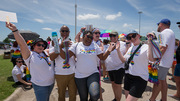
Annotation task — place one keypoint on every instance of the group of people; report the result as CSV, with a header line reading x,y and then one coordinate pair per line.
x,y
77,65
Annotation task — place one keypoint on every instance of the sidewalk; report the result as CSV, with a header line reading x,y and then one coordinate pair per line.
x,y
28,95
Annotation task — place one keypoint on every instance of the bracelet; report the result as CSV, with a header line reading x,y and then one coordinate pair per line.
x,y
15,30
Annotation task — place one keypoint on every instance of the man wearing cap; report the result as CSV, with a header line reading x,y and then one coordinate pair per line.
x,y
166,45
64,73
114,65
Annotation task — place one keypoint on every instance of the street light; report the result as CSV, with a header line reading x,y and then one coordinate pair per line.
x,y
75,16
140,12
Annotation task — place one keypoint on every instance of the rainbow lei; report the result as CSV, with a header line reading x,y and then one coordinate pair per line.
x,y
28,76
153,69
45,58
66,62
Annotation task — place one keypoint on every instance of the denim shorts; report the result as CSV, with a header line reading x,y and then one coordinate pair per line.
x,y
42,92
177,70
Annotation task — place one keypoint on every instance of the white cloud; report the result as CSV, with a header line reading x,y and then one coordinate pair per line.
x,y
35,1
113,17
49,29
127,25
88,16
39,20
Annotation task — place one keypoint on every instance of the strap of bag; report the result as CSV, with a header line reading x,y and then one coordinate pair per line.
x,y
131,57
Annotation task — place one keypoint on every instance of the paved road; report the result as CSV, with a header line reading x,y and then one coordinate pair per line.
x,y
28,95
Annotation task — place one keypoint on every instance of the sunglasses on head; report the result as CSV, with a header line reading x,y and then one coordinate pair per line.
x,y
97,33
64,31
112,35
19,61
132,36
40,45
91,37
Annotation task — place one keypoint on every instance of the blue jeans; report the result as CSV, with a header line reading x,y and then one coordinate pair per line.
x,y
42,92
89,85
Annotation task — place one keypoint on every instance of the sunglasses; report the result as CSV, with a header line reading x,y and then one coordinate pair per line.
x,y
112,35
64,31
97,33
19,61
40,45
91,37
132,36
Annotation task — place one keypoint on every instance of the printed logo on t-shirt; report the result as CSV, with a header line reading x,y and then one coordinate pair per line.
x,y
160,39
87,51
137,53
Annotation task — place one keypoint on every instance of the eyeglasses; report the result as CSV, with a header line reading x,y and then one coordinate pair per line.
x,y
64,31
112,35
91,37
19,61
40,45
97,33
132,36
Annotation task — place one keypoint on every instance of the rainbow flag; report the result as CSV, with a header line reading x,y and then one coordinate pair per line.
x,y
16,54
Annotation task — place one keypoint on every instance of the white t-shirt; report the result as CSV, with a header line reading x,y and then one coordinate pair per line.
x,y
105,48
59,70
113,62
167,37
98,43
139,64
41,73
16,70
86,59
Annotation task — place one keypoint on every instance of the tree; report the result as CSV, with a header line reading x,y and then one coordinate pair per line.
x,y
6,40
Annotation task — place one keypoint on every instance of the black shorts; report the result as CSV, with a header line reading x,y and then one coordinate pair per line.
x,y
117,75
135,85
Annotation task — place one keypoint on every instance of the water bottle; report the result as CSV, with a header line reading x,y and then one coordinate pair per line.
x,y
56,43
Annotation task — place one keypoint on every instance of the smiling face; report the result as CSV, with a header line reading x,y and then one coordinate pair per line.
x,y
96,35
64,31
134,38
113,38
87,39
39,47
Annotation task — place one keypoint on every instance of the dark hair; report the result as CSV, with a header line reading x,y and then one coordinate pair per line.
x,y
39,40
105,41
86,32
15,44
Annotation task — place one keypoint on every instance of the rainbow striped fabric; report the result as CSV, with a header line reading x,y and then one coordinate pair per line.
x,y
16,54
153,74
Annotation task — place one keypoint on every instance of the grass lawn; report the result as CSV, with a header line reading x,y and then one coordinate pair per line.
x,y
7,86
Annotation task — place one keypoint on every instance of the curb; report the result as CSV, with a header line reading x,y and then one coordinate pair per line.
x,y
14,95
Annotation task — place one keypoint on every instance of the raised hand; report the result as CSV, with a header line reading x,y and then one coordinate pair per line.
x,y
11,26
111,46
117,45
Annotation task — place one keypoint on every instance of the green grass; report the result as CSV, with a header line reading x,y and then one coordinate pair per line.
x,y
7,85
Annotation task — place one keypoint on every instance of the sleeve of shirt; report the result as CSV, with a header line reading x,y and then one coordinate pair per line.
x,y
98,49
27,61
73,47
51,50
162,39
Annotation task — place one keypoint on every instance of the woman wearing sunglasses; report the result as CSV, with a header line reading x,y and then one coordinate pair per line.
x,y
136,76
114,65
86,72
42,74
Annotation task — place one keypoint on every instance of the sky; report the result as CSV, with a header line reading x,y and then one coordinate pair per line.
x,y
47,16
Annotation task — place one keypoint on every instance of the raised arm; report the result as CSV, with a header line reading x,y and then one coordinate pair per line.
x,y
20,40
110,48
150,52
121,57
